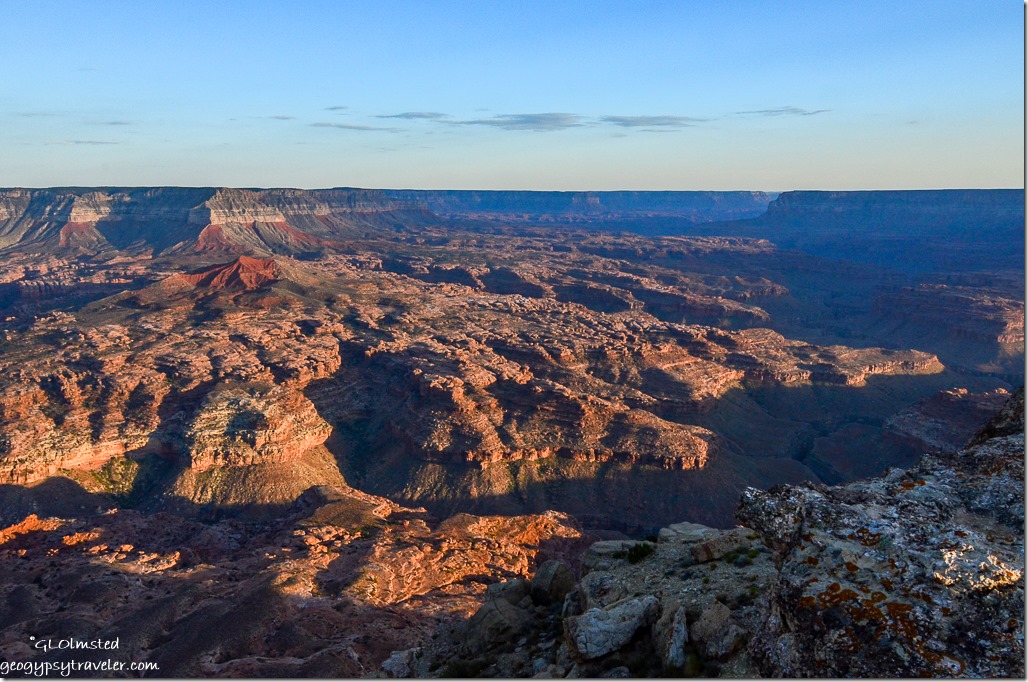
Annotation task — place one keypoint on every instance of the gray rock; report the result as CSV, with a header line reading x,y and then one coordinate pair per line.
x,y
598,632
600,589
671,634
552,582
685,532
572,605
512,591
497,621
399,663
602,556
721,544
716,634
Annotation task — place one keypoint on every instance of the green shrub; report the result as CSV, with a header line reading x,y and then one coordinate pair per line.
x,y
637,553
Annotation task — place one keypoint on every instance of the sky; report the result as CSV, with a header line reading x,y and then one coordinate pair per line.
x,y
644,95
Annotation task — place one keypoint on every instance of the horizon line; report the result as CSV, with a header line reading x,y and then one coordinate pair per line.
x,y
479,189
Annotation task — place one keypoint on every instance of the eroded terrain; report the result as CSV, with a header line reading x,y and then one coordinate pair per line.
x,y
275,399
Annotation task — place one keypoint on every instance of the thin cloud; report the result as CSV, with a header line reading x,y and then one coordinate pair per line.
x,y
783,111
89,142
336,108
415,115
546,122
348,126
282,118
652,121
115,123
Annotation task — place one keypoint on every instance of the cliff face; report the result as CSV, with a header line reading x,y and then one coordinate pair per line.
x,y
584,207
290,221
910,231
183,220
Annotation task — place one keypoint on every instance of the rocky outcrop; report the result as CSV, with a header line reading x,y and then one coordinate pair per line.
x,y
639,609
246,425
885,578
487,388
918,573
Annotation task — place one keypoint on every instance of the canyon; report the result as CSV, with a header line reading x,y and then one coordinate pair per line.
x,y
357,409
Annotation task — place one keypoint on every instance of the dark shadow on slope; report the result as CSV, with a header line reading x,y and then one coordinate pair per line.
x,y
55,496
775,434
198,601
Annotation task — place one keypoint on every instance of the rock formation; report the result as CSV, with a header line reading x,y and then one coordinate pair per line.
x,y
455,368
918,573
327,589
191,380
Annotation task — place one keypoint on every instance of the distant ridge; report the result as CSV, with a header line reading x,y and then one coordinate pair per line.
x,y
874,226
537,206
911,231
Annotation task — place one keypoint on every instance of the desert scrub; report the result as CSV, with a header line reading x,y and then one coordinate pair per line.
x,y
117,475
637,553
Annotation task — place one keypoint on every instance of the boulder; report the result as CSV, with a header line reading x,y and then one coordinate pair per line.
x,y
600,589
685,532
721,544
400,662
598,632
602,556
497,621
552,583
512,591
715,634
671,634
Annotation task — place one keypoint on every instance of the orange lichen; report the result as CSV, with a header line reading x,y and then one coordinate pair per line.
x,y
866,537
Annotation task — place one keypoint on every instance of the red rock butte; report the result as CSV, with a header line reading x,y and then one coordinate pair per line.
x,y
244,272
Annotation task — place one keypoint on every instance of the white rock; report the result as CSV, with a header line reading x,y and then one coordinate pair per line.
x,y
598,632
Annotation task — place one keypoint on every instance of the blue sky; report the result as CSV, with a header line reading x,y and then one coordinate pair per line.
x,y
514,95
